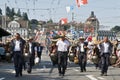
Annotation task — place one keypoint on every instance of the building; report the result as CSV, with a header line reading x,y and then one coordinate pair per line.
x,y
17,27
101,34
91,24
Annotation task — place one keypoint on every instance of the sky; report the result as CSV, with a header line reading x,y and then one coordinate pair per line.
x,y
107,11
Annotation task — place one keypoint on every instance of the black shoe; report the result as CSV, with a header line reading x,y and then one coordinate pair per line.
x,y
60,74
20,74
101,74
105,74
84,70
29,71
16,75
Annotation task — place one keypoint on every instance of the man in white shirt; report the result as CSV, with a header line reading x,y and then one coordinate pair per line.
x,y
17,49
62,48
82,55
30,48
106,49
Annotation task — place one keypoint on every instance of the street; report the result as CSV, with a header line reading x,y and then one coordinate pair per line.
x,y
45,71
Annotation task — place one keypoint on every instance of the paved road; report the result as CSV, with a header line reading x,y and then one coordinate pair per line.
x,y
43,71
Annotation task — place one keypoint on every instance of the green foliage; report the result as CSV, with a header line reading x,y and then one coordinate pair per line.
x,y
8,11
11,12
18,13
0,11
50,21
25,16
116,29
34,21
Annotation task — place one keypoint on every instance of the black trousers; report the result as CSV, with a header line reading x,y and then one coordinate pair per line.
x,y
30,62
62,61
105,60
18,62
39,54
82,61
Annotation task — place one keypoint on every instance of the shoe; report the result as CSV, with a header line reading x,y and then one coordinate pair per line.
x,y
105,74
29,71
60,74
84,70
20,74
101,74
16,75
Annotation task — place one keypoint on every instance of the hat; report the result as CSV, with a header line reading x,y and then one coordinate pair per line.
x,y
31,38
81,38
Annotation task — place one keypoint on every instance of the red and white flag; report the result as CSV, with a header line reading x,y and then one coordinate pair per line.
x,y
81,2
84,2
64,21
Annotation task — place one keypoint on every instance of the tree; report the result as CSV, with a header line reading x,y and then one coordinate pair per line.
x,y
12,14
25,16
18,13
0,11
8,11
50,21
116,29
34,21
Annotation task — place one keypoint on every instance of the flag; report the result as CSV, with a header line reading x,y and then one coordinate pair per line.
x,y
69,8
81,2
78,3
84,2
64,21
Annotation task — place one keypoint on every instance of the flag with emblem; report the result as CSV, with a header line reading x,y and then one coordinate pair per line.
x,y
81,2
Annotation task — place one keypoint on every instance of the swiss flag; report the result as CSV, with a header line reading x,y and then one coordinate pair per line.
x,y
81,2
64,21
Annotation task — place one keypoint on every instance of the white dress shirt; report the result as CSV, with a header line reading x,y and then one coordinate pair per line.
x,y
17,45
30,45
81,48
62,45
106,47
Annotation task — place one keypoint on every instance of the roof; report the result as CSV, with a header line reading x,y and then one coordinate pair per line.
x,y
4,32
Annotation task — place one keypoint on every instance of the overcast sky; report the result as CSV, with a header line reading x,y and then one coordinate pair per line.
x,y
107,11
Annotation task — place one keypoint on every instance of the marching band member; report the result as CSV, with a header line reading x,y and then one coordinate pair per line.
x,y
106,50
17,49
62,48
82,55
30,48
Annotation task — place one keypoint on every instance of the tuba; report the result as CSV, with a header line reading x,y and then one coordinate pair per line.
x,y
113,59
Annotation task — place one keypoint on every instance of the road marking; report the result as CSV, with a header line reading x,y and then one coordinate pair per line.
x,y
91,77
100,78
2,78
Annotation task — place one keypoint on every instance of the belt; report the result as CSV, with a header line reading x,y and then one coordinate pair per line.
x,y
17,51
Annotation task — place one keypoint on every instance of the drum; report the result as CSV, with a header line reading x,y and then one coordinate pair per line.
x,y
8,57
113,59
71,57
94,59
26,57
53,57
76,61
